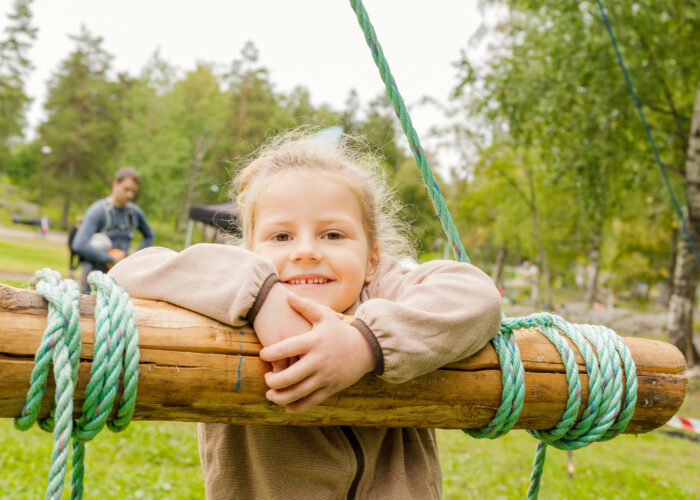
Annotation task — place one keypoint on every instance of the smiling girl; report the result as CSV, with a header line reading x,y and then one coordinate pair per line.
x,y
319,241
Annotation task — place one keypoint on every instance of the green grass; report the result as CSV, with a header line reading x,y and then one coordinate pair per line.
x,y
154,460
159,460
652,465
20,255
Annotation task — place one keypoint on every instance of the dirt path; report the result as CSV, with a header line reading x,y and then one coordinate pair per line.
x,y
11,232
625,322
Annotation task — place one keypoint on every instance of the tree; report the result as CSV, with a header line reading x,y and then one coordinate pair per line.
x,y
680,322
14,69
554,88
195,113
82,129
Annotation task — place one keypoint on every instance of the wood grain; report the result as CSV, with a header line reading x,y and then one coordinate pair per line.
x,y
194,368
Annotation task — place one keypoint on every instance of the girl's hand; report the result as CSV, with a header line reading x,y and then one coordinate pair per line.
x,y
277,321
332,356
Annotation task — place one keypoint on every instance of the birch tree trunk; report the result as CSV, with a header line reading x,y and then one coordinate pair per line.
x,y
592,285
667,286
200,147
542,262
680,320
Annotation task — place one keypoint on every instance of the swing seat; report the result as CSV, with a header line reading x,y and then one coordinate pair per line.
x,y
194,368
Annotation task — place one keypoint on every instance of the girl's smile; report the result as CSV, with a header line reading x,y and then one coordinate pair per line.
x,y
308,280
310,224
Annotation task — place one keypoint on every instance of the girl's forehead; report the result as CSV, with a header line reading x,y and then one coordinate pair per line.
x,y
303,174
307,192
307,179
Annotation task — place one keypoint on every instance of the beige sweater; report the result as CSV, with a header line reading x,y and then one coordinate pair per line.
x,y
415,321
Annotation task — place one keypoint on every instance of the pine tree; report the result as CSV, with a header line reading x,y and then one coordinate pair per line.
x,y
82,130
14,70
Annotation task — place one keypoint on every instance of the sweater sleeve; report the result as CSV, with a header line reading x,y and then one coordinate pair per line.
x,y
93,222
427,317
220,281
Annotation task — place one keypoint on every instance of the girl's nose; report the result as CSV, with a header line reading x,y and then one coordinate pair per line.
x,y
306,248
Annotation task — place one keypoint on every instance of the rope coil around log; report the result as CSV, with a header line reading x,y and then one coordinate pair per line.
x,y
116,337
602,418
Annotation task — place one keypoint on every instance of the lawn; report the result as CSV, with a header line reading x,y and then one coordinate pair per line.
x,y
25,255
158,460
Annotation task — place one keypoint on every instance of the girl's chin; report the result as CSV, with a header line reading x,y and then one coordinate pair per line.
x,y
314,295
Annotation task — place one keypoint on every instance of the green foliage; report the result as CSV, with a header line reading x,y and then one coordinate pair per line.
x,y
82,131
22,163
418,210
14,69
555,106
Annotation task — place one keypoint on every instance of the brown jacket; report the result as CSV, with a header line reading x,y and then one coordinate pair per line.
x,y
415,320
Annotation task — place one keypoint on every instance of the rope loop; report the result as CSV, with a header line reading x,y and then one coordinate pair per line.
x,y
116,337
610,404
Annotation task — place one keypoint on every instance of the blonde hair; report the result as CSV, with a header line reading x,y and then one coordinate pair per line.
x,y
359,170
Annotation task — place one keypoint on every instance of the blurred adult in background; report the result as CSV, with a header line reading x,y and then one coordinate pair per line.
x,y
104,236
75,259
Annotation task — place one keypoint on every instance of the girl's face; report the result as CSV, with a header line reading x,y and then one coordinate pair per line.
x,y
310,225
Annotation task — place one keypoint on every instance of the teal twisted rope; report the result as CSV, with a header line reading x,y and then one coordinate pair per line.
x,y
115,336
604,416
400,108
60,344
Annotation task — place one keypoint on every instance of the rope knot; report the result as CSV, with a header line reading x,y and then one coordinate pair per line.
x,y
115,336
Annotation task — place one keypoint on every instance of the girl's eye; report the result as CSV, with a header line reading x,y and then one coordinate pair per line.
x,y
280,237
334,235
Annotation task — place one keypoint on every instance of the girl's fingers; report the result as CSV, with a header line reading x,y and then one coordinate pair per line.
x,y
287,348
280,364
287,378
308,402
310,311
294,393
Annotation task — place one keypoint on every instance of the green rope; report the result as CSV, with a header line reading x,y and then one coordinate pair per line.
x,y
115,337
603,351
421,160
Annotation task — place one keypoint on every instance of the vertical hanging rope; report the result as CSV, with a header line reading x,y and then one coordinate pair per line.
x,y
392,90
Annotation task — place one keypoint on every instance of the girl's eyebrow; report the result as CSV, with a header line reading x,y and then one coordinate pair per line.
x,y
284,219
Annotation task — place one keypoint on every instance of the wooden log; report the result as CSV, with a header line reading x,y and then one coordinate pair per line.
x,y
194,368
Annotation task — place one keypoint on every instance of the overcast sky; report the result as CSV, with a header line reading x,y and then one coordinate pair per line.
x,y
314,43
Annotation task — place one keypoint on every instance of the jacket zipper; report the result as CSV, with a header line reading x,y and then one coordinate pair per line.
x,y
359,456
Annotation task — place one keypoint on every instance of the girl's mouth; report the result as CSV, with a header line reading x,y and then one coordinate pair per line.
x,y
308,280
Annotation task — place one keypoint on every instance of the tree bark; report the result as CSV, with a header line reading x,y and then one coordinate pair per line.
x,y
667,287
194,368
594,256
200,148
680,320
68,197
497,276
542,261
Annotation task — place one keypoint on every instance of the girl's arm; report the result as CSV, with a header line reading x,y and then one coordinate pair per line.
x,y
220,281
424,318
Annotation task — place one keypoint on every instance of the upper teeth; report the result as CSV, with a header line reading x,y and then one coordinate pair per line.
x,y
308,281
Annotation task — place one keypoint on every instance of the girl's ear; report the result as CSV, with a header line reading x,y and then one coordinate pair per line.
x,y
372,264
